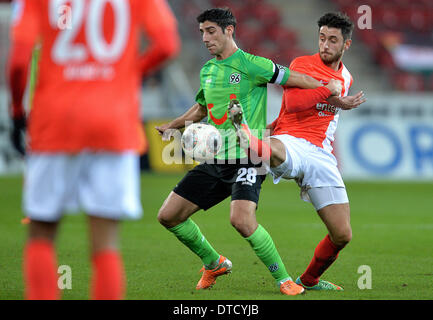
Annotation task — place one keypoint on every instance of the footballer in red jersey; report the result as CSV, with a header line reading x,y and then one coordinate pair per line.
x,y
300,145
84,126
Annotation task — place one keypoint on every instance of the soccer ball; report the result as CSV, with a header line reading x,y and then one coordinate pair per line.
x,y
201,141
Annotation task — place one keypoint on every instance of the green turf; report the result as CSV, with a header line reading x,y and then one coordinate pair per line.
x,y
392,233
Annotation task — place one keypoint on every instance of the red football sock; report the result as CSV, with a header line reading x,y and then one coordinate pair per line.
x,y
40,271
325,254
108,276
257,146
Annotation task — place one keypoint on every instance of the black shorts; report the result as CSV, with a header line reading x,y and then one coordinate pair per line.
x,y
208,184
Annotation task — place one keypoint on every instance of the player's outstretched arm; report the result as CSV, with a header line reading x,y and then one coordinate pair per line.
x,y
301,80
297,100
348,102
194,114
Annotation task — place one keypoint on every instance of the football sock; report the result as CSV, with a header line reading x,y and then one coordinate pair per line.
x,y
257,146
190,235
325,254
40,270
108,279
265,249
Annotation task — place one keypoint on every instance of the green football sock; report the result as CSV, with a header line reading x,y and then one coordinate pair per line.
x,y
265,249
190,235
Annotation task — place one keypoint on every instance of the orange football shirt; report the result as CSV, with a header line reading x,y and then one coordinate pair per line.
x,y
87,91
318,123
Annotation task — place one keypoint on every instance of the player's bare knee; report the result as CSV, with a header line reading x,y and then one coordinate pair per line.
x,y
170,217
165,218
245,227
243,217
342,238
237,223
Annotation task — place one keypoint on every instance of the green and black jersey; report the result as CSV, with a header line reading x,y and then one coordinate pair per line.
x,y
244,77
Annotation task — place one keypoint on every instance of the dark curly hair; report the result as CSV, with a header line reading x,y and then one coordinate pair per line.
x,y
337,20
223,17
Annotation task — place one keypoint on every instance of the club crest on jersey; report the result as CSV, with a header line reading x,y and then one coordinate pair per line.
x,y
235,78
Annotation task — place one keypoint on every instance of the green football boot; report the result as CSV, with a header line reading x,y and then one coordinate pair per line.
x,y
322,285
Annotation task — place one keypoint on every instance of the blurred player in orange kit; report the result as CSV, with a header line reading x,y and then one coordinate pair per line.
x,y
301,145
84,125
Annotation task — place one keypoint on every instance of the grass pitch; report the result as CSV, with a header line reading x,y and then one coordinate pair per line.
x,y
392,235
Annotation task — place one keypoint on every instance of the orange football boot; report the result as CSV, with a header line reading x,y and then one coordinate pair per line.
x,y
290,288
208,278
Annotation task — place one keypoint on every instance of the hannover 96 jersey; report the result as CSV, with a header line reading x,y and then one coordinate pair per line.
x,y
244,77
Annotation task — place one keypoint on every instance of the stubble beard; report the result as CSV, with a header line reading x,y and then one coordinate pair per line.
x,y
336,57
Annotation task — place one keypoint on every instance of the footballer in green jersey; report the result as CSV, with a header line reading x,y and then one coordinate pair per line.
x,y
231,74
244,77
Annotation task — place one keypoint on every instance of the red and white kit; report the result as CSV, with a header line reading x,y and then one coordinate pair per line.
x,y
84,123
306,125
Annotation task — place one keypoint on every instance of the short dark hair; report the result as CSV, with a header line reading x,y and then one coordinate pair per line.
x,y
223,17
337,20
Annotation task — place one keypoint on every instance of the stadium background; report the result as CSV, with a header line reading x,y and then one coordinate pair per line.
x,y
385,149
